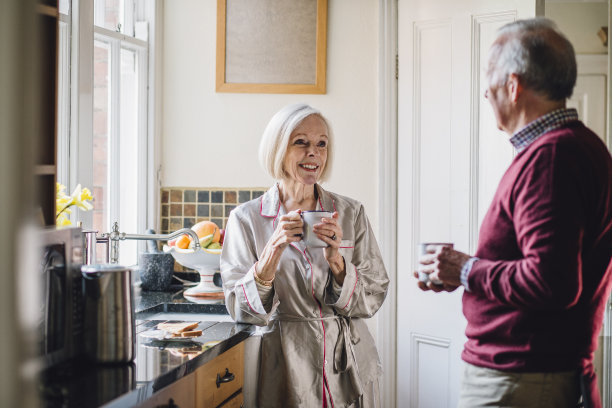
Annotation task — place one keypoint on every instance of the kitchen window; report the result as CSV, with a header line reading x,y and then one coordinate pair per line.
x,y
107,146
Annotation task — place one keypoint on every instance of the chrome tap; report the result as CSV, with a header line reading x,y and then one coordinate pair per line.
x,y
90,240
115,236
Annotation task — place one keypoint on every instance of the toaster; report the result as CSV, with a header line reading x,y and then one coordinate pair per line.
x,y
61,318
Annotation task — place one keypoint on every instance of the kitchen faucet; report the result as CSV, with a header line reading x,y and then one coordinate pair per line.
x,y
112,239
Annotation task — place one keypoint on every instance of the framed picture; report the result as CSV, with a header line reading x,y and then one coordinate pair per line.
x,y
271,46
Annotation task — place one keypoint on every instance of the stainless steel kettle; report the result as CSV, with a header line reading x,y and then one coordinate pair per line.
x,y
109,313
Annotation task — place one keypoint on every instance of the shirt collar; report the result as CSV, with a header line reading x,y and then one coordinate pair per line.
x,y
545,123
271,205
270,202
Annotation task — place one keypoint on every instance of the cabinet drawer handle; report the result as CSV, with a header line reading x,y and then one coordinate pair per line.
x,y
227,377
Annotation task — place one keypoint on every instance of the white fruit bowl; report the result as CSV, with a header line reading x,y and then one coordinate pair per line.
x,y
206,262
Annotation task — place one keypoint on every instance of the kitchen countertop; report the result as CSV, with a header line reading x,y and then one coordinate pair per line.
x,y
157,363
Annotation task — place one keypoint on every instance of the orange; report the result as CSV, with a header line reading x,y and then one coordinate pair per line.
x,y
205,228
183,241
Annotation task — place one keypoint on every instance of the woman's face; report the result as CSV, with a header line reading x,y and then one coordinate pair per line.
x,y
307,151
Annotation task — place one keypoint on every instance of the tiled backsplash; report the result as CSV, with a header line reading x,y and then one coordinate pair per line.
x,y
182,207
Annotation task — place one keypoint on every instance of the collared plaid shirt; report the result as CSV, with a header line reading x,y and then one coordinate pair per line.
x,y
551,121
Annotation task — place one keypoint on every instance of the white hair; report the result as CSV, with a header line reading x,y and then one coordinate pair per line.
x,y
275,139
538,53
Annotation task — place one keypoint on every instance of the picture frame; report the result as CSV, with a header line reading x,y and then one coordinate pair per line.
x,y
271,46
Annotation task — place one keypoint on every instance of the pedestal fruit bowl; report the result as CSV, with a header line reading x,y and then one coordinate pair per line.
x,y
206,262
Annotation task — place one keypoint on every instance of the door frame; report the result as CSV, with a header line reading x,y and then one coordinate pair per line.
x,y
387,208
607,331
387,194
598,64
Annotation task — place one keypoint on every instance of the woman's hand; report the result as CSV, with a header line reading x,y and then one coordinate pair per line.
x,y
288,230
329,231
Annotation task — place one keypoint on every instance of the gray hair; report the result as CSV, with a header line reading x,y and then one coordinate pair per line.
x,y
538,53
275,139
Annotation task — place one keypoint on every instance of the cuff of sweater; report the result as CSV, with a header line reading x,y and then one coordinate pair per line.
x,y
465,272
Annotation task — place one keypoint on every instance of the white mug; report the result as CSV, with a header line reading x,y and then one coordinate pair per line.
x,y
424,277
311,218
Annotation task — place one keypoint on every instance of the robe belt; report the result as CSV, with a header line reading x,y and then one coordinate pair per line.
x,y
344,354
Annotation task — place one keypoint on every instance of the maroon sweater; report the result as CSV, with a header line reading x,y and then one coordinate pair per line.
x,y
537,294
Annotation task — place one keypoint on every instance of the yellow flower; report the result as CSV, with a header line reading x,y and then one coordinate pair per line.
x,y
62,220
79,197
86,194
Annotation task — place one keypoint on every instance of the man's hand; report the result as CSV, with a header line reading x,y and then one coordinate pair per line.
x,y
442,265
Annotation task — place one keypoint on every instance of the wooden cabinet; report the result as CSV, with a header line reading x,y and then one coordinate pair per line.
x,y
45,154
236,401
221,378
177,395
217,383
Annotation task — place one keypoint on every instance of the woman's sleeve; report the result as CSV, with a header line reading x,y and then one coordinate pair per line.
x,y
365,285
243,297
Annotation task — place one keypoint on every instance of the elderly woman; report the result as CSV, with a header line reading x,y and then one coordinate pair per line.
x,y
316,351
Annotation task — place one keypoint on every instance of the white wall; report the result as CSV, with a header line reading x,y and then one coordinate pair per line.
x,y
580,22
211,139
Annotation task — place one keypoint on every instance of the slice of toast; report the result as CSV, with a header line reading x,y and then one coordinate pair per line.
x,y
191,333
178,327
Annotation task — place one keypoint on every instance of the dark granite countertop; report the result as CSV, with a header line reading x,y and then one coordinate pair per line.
x,y
157,363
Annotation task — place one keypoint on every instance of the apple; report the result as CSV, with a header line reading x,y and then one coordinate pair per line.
x,y
222,231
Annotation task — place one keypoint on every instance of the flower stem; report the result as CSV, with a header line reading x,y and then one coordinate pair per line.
x,y
63,209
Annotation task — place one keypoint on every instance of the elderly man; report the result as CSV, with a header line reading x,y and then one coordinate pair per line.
x,y
536,289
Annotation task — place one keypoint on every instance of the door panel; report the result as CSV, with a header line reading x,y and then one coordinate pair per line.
x,y
450,158
494,152
589,97
432,366
433,128
589,93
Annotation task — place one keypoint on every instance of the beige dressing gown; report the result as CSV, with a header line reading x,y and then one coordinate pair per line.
x,y
315,344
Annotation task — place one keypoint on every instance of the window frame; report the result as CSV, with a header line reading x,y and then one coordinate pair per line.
x,y
75,152
63,96
118,41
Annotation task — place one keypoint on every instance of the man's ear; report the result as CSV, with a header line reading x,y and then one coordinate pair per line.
x,y
514,87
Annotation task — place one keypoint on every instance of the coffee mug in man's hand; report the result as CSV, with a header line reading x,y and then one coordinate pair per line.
x,y
311,218
435,246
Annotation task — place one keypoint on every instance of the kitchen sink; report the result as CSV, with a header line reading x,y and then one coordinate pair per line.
x,y
195,317
186,312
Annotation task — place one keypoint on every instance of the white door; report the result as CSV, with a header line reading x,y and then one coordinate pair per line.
x,y
589,97
450,159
